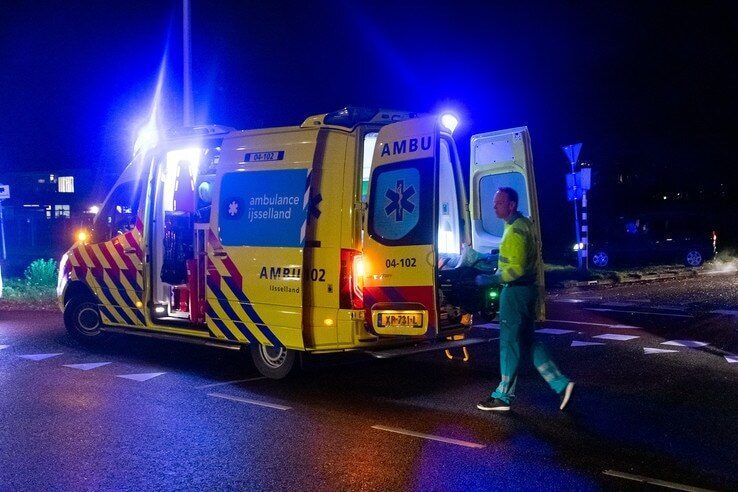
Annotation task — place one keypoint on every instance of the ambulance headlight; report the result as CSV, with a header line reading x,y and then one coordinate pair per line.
x,y
578,246
449,121
82,235
62,275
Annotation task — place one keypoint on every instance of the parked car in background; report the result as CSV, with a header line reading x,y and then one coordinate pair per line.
x,y
651,238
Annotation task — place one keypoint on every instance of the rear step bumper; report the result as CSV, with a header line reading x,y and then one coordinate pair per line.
x,y
427,347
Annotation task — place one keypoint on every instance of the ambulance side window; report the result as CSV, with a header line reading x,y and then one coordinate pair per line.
x,y
118,215
401,203
488,186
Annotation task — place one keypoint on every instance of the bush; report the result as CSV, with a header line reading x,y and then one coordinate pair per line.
x,y
41,273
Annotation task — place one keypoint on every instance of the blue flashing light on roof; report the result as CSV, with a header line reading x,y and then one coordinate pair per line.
x,y
148,137
449,121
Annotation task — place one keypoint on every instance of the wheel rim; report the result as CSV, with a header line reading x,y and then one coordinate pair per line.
x,y
600,258
694,258
88,320
273,357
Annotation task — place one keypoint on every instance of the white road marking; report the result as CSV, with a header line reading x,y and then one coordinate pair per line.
x,y
430,437
490,326
38,357
88,366
577,343
592,324
685,343
653,481
572,301
616,336
225,383
732,359
553,331
640,312
251,402
4,346
728,312
669,307
649,350
140,377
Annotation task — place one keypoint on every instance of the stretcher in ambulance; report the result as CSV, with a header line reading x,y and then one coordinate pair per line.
x,y
339,234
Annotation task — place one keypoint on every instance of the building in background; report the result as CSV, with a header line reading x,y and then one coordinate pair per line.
x,y
44,211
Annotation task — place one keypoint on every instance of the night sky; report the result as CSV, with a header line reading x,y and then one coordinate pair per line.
x,y
650,90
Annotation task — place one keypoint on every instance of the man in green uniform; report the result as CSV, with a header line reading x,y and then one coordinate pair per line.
x,y
517,271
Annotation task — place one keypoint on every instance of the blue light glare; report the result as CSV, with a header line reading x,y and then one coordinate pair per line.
x,y
449,121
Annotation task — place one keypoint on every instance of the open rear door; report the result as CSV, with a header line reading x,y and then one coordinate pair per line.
x,y
400,254
501,158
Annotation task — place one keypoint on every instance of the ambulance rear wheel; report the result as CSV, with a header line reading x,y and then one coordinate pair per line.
x,y
274,362
83,322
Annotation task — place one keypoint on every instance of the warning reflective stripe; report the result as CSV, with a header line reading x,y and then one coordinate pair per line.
x,y
132,276
229,314
217,315
213,327
224,280
111,278
251,312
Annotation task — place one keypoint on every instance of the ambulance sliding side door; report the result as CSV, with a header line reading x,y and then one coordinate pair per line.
x,y
255,261
400,254
501,158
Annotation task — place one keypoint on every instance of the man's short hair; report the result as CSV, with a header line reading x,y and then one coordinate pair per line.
x,y
512,195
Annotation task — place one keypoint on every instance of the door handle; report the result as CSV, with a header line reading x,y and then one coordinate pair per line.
x,y
220,253
129,251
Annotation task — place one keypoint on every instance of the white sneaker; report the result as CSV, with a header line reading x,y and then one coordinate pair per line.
x,y
566,395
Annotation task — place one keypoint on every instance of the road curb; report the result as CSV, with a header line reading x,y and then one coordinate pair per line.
x,y
632,278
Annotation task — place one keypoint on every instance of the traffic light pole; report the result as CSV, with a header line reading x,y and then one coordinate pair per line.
x,y
584,250
577,229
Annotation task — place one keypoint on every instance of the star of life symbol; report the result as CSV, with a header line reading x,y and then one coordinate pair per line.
x,y
399,200
233,208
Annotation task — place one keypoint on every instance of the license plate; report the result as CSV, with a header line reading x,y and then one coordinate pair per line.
x,y
404,319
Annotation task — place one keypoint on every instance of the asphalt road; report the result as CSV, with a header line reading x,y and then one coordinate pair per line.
x,y
203,418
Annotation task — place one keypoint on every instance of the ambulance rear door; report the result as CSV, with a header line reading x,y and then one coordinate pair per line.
x,y
500,159
400,254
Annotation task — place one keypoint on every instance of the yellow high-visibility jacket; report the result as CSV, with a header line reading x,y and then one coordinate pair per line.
x,y
518,262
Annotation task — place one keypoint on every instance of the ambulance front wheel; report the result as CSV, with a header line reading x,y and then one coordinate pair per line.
x,y
274,362
83,323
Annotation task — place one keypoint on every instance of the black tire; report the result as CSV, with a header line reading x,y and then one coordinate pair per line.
x,y
274,363
82,319
693,258
600,258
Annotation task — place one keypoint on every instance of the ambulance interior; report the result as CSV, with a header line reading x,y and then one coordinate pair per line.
x,y
181,214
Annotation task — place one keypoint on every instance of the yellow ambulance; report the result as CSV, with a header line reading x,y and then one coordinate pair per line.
x,y
338,234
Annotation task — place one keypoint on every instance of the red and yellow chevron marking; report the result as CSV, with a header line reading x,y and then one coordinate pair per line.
x,y
114,271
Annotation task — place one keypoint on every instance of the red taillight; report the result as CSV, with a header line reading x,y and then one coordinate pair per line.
x,y
352,280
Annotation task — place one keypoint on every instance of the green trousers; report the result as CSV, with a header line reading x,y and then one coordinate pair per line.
x,y
517,330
